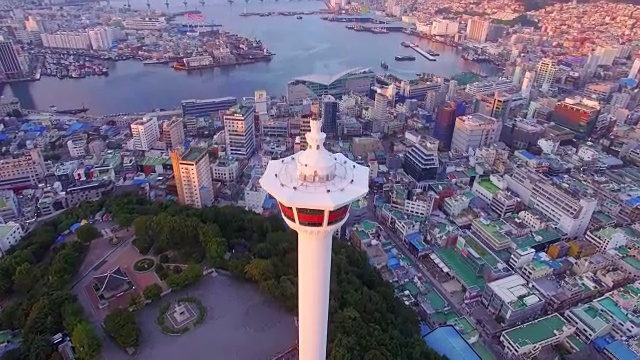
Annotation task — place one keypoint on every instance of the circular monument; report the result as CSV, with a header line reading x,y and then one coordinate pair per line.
x,y
180,316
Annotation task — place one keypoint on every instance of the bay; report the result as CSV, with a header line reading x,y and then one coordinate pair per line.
x,y
306,46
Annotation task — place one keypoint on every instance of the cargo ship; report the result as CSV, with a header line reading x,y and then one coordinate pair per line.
x,y
405,58
69,111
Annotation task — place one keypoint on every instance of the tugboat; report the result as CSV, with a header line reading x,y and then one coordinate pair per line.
x,y
384,65
405,58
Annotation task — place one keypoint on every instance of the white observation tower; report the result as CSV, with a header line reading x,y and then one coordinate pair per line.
x,y
314,189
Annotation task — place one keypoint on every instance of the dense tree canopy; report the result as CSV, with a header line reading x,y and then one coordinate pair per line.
x,y
87,233
34,277
366,320
121,325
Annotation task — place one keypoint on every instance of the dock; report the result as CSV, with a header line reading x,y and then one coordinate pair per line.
x,y
423,53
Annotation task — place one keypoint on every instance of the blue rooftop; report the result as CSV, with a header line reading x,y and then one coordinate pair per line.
x,y
527,155
634,201
77,127
621,351
628,82
447,341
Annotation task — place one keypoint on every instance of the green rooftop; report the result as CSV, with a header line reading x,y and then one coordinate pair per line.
x,y
536,331
6,229
541,236
412,288
485,354
465,273
193,154
368,225
3,203
612,307
495,231
482,252
489,186
462,324
155,160
435,300
633,262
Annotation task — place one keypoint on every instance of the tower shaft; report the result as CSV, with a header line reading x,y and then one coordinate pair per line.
x,y
314,275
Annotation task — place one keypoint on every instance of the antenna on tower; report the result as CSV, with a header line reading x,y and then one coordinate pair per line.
x,y
148,5
128,5
185,3
166,3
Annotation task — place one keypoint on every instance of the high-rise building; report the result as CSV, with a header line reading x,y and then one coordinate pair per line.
x,y
380,107
517,76
496,32
145,132
474,131
578,115
66,40
173,133
207,107
478,29
101,38
606,55
314,189
329,115
527,83
192,173
10,61
635,67
445,123
546,73
421,161
489,86
442,27
239,130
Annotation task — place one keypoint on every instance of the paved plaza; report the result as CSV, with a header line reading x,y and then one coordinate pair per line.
x,y
241,324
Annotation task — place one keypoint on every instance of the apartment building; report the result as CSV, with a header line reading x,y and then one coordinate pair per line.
x,y
192,172
608,238
77,148
494,191
226,169
254,195
173,133
475,131
21,171
239,130
145,133
512,299
564,203
9,206
590,321
10,235
87,191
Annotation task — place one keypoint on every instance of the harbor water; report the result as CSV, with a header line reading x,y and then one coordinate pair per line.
x,y
306,46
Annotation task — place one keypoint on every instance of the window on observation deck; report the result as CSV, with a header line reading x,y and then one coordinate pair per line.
x,y
287,212
310,217
337,215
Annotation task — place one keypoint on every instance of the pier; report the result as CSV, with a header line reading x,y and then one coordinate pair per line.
x,y
424,54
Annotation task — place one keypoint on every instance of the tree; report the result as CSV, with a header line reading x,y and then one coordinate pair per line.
x,y
85,341
152,292
25,278
121,325
216,248
259,270
87,233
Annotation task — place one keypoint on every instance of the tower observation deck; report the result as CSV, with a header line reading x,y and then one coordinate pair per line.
x,y
314,190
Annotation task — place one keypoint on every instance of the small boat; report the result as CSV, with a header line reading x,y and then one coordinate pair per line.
x,y
384,65
405,58
299,17
406,44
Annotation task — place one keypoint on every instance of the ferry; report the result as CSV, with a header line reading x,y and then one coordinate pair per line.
x,y
155,61
384,65
405,58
